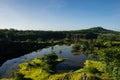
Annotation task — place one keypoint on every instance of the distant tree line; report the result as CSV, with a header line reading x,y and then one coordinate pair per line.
x,y
15,35
32,35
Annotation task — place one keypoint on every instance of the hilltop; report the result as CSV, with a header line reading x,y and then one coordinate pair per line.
x,y
96,30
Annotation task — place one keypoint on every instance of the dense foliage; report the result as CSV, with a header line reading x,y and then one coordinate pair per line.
x,y
96,42
111,57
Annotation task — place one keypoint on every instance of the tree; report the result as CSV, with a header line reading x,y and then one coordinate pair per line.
x,y
50,58
91,35
111,57
75,47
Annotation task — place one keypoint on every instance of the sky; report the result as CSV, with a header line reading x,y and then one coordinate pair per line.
x,y
59,14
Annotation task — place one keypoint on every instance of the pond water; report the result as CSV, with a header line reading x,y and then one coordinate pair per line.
x,y
73,62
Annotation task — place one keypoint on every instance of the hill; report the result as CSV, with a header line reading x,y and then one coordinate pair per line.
x,y
99,30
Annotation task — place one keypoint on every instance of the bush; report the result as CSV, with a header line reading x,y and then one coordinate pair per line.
x,y
95,64
93,70
111,57
75,47
50,58
19,76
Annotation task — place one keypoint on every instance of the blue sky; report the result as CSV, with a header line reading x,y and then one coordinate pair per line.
x,y
59,14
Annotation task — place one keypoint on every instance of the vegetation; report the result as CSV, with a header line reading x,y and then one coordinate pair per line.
x,y
96,42
39,36
110,57
75,47
39,68
36,71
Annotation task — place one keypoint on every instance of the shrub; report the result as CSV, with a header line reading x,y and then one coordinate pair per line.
x,y
75,47
93,70
50,58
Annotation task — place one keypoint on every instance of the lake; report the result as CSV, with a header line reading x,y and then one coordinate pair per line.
x,y
73,62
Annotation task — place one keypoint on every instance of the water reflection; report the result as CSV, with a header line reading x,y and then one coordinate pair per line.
x,y
73,62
